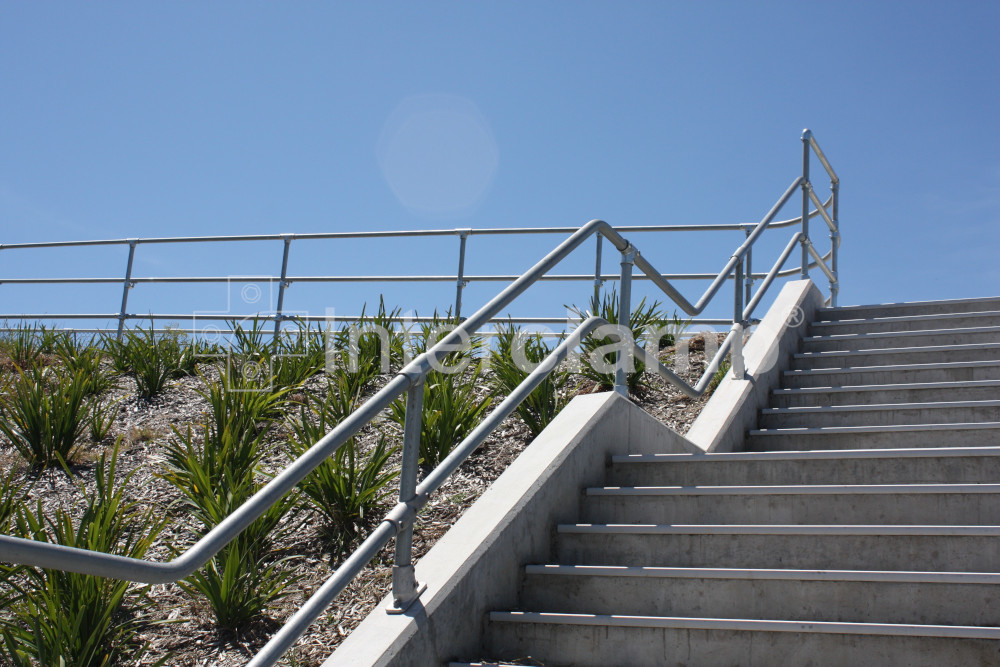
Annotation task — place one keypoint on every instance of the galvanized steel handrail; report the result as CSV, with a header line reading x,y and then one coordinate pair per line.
x,y
399,521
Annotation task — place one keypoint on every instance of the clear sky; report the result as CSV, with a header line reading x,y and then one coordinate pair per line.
x,y
191,118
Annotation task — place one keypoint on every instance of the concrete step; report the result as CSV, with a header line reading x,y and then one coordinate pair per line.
x,y
917,392
855,466
904,504
960,371
493,664
977,434
898,355
823,547
881,415
990,318
914,338
585,640
909,308
924,598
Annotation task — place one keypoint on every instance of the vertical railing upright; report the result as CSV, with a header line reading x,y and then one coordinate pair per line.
x,y
624,316
463,235
806,134
123,313
835,242
282,284
405,588
736,355
598,282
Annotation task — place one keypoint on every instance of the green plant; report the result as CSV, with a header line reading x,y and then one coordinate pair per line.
x,y
44,413
100,420
298,355
85,359
347,486
22,346
370,347
600,352
435,330
151,360
450,412
64,618
720,375
513,350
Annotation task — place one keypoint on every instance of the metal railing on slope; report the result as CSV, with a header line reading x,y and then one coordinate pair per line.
x,y
284,279
399,521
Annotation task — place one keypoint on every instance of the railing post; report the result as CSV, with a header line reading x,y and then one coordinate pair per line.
x,y
624,317
749,271
282,283
737,348
806,134
405,588
126,287
835,243
463,235
597,276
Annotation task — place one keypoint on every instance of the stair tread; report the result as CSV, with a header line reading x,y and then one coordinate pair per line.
x,y
837,627
894,576
955,384
906,304
895,350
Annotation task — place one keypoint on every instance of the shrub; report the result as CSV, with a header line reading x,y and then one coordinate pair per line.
x,y
85,359
450,412
44,413
642,319
22,346
64,618
544,403
349,485
151,360
100,419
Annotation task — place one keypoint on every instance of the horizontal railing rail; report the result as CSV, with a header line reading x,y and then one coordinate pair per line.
x,y
399,521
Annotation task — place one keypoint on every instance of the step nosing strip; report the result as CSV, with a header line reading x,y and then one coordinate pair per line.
x,y
944,365
892,428
766,574
917,349
902,319
739,624
815,454
957,331
793,530
793,490
937,405
898,386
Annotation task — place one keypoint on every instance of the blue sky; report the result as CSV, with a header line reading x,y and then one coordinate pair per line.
x,y
185,118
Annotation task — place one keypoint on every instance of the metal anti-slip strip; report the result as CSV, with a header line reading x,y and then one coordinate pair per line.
x,y
763,529
766,574
793,490
751,625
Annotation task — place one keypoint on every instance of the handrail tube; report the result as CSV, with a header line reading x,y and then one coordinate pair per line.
x,y
697,308
819,261
772,274
829,221
808,136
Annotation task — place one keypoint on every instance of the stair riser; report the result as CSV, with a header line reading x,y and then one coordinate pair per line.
x,y
956,322
891,376
793,442
849,601
951,415
883,342
825,552
884,396
927,308
832,471
858,509
885,359
584,646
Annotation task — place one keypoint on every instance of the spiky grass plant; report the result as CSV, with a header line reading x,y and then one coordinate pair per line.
x,y
451,410
297,356
348,486
44,412
64,618
85,358
151,360
216,469
597,359
22,346
514,351
100,418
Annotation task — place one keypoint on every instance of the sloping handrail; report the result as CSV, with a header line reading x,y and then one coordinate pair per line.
x,y
399,521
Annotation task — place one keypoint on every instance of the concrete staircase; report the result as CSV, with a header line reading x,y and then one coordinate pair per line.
x,y
861,526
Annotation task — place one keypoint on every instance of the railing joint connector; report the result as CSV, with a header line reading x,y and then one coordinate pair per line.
x,y
463,232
